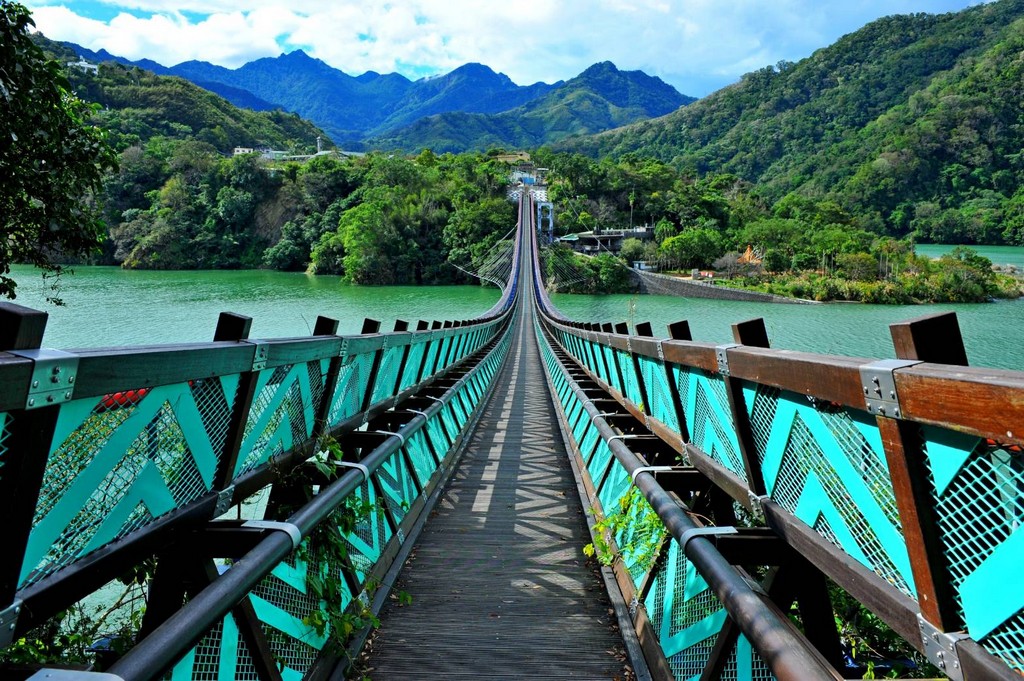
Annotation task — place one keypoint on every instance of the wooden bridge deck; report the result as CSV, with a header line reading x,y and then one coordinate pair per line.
x,y
499,583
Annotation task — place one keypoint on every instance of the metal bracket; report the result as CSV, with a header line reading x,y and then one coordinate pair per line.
x,y
259,358
655,469
224,498
940,648
879,384
388,432
8,623
757,504
722,355
634,605
351,464
288,528
692,534
53,376
661,351
72,675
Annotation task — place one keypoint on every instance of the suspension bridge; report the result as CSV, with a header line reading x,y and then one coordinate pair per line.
x,y
279,495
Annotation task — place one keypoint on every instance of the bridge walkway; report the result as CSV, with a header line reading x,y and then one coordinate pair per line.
x,y
499,584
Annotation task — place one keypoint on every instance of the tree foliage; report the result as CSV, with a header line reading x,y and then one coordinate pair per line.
x,y
51,159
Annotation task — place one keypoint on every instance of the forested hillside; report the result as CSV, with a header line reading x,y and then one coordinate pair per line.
x,y
180,200
136,105
600,98
912,124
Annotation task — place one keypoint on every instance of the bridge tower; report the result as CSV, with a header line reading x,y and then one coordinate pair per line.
x,y
545,221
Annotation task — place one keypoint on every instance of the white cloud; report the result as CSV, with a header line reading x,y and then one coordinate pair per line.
x,y
697,45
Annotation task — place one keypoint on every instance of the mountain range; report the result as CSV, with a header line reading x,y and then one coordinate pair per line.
x,y
472,107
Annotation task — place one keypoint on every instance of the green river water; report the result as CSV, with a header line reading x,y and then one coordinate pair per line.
x,y
107,306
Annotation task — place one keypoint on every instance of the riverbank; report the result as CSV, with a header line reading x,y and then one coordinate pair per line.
x,y
663,284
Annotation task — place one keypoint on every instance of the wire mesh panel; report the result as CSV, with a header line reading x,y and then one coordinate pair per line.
x,y
287,604
397,485
5,433
371,533
350,391
581,432
121,461
659,393
599,462
423,461
439,439
706,406
978,488
387,374
607,370
283,411
684,613
413,364
745,664
221,654
630,382
614,488
826,465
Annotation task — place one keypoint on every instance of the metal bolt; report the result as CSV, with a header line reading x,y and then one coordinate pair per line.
x,y
49,398
35,384
866,390
31,401
875,380
71,379
892,394
881,410
56,370
67,395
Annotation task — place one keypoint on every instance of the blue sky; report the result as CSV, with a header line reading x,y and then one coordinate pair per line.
x,y
696,45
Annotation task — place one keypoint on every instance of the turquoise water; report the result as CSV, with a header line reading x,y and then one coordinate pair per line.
x,y
999,255
107,306
989,329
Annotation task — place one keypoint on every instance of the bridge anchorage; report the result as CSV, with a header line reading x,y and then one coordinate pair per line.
x,y
275,497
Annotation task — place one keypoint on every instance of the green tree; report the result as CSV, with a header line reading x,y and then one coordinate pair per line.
x,y
51,159
693,248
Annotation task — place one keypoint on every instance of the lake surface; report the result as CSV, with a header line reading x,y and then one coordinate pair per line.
x,y
989,329
999,255
107,306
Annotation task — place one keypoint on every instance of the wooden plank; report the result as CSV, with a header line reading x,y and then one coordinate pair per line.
x,y
895,608
911,484
833,379
988,403
699,355
301,350
499,583
101,372
21,328
932,338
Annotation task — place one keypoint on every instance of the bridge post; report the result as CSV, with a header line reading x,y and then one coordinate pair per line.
x,y
751,333
680,331
26,447
235,327
325,326
371,326
936,339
